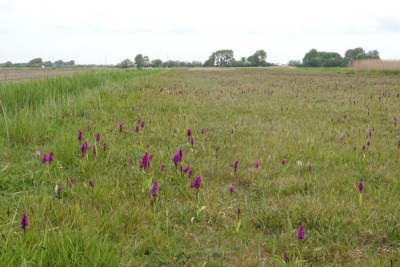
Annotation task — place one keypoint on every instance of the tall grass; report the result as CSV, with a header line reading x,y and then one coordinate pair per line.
x,y
376,65
319,119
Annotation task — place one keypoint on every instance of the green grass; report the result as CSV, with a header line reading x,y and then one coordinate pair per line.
x,y
304,117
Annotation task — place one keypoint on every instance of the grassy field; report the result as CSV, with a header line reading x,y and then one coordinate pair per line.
x,y
22,75
302,142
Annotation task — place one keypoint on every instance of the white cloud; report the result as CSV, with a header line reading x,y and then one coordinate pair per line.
x,y
87,31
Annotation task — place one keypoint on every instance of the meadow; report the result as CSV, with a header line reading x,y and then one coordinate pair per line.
x,y
296,168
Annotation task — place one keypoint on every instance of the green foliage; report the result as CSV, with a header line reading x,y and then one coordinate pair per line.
x,y
36,61
322,59
139,61
221,58
124,64
157,63
359,53
294,63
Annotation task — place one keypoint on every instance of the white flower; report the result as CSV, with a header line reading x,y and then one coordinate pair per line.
x,y
300,163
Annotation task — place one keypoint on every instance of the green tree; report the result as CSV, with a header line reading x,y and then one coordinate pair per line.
x,y
258,58
294,63
221,58
139,60
146,61
157,63
126,63
323,59
36,62
373,54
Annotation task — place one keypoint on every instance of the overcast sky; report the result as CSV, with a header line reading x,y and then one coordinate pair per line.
x,y
99,32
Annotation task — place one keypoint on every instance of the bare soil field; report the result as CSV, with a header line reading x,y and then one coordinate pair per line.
x,y
22,75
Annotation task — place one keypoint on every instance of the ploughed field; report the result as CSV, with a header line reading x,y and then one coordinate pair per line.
x,y
178,167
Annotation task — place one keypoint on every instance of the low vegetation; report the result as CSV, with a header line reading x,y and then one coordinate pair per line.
x,y
179,167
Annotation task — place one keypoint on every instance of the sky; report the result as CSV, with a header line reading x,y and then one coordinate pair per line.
x,y
107,32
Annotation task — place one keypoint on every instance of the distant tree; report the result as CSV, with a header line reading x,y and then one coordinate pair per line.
x,y
359,53
373,54
146,61
36,62
8,64
48,64
139,60
311,58
126,63
221,58
258,58
211,61
250,60
323,59
156,63
294,63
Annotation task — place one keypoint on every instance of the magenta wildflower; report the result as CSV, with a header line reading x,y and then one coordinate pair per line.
x,y
94,150
84,147
189,132
203,131
217,149
309,167
175,131
197,182
142,124
186,169
162,168
368,143
301,233
121,126
91,183
238,213
104,146
370,133
24,221
232,131
51,157
231,189
63,116
98,137
178,157
190,174
286,256
363,148
154,189
44,159
284,161
361,187
398,145
71,181
257,165
146,160
192,141
80,135
236,165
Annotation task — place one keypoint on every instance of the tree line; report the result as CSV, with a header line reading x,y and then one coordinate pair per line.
x,y
39,63
219,58
315,58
